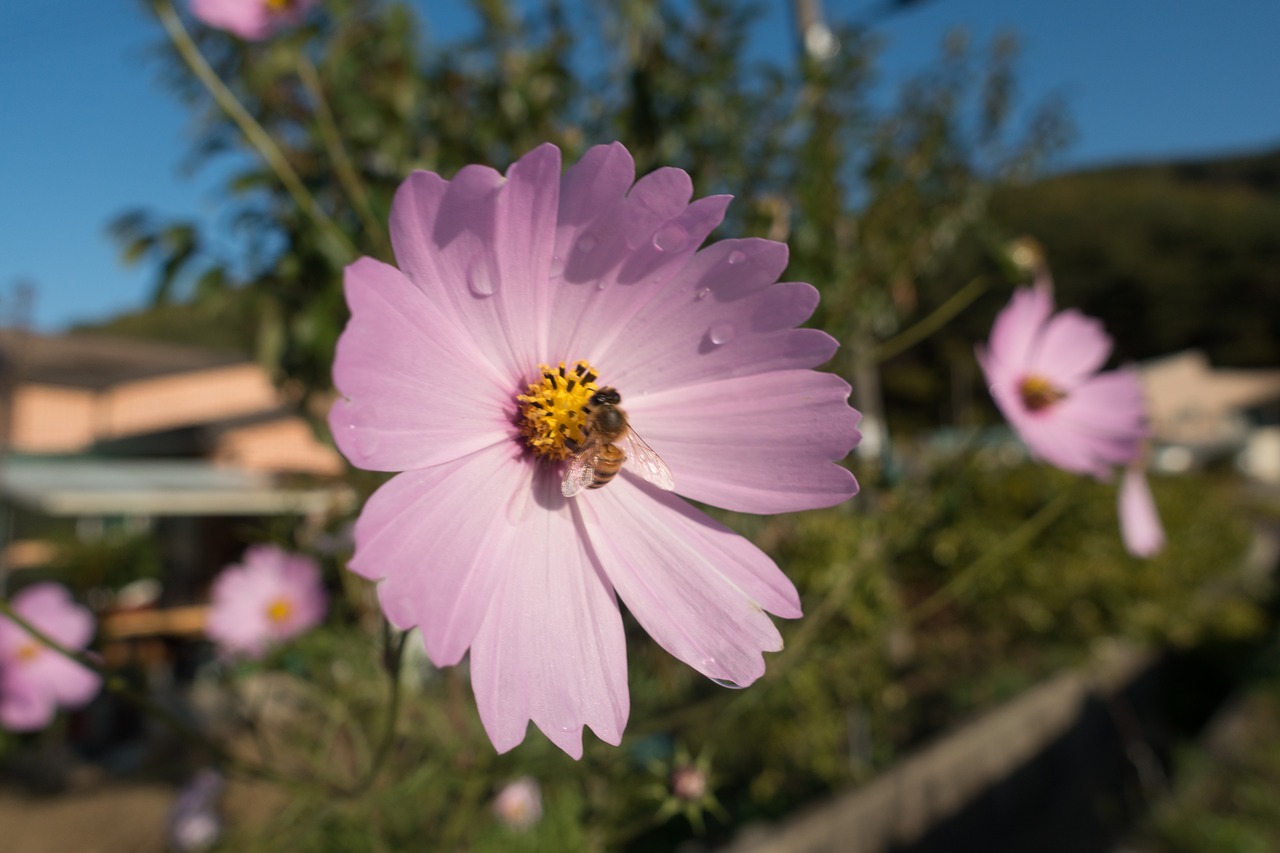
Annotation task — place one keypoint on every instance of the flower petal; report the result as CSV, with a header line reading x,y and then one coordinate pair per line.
x,y
1140,526
763,444
416,391
1070,349
722,316
1015,333
25,706
551,648
431,535
698,588
480,248
50,608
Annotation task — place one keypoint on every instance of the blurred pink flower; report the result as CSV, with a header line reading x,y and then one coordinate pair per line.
x,y
519,803
271,596
1140,526
1044,370
252,20
34,679
444,371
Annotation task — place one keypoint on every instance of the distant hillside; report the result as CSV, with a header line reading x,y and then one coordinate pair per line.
x,y
1177,255
232,328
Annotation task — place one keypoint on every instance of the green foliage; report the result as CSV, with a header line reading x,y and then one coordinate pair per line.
x,y
1170,257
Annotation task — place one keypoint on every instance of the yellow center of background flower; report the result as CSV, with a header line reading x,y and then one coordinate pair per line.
x,y
28,651
1039,393
552,412
279,610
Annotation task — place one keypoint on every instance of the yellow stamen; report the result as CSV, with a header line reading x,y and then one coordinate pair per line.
x,y
279,610
1039,393
551,413
279,6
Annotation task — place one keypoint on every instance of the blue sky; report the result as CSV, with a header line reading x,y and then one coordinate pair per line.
x,y
87,131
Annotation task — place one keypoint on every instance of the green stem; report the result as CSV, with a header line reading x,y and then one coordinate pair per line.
x,y
394,659
1011,544
938,318
254,132
347,174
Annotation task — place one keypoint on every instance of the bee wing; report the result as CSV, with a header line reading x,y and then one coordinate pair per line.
x,y
642,459
581,470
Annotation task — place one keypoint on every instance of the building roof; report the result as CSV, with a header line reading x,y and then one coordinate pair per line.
x,y
100,361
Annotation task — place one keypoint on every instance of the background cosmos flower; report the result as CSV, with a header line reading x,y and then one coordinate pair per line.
x,y
1045,375
474,542
519,803
252,20
271,596
34,679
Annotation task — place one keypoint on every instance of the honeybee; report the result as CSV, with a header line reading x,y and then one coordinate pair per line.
x,y
607,442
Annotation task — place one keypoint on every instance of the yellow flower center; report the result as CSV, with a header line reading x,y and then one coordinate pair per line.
x,y
551,414
1039,393
279,610
28,652
279,6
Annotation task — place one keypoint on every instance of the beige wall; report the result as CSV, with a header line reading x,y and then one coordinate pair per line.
x,y
52,419
189,398
284,445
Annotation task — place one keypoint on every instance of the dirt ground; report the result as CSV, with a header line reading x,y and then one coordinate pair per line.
x,y
115,818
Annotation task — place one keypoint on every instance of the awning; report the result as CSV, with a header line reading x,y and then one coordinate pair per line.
x,y
107,487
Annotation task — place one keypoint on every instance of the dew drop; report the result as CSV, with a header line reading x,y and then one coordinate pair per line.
x,y
721,333
703,293
724,682
557,266
587,243
367,442
736,257
480,280
601,284
670,238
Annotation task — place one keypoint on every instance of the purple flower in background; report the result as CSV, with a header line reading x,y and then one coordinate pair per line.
x,y
271,596
252,20
519,803
528,311
1044,370
194,823
34,679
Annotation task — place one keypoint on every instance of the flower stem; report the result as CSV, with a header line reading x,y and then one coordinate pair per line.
x,y
347,175
936,319
252,130
392,662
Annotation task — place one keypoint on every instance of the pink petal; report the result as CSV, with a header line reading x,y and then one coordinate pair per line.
x,y
551,648
24,705
50,608
69,683
1071,348
697,587
480,248
720,317
1140,526
431,535
762,444
1016,331
416,391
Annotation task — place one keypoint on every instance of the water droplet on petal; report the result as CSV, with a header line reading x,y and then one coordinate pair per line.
x,y
703,293
557,266
724,682
480,280
737,256
670,238
586,243
721,333
367,442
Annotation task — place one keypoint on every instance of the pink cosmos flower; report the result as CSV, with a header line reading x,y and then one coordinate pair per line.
x,y
34,679
519,803
271,596
252,20
1045,375
445,371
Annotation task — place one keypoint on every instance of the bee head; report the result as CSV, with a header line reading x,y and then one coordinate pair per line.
x,y
606,396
